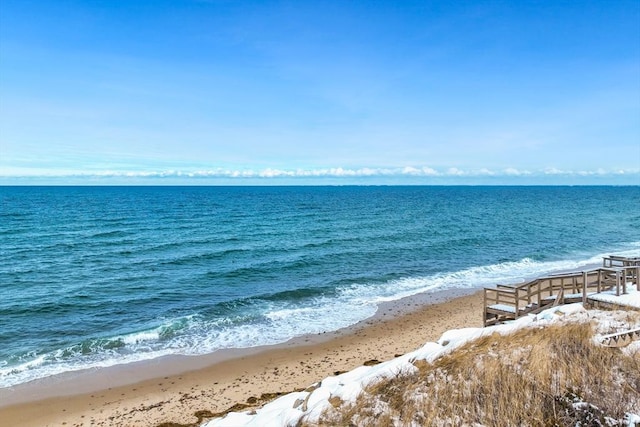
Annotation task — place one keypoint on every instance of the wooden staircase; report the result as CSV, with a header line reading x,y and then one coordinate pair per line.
x,y
509,302
620,339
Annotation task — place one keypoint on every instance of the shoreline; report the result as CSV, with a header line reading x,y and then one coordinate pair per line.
x,y
172,389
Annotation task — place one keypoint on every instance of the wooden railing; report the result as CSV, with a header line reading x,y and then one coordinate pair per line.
x,y
509,302
620,261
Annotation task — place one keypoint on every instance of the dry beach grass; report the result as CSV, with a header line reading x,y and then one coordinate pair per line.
x,y
530,378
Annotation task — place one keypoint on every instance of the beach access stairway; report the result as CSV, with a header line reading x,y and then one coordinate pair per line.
x,y
509,302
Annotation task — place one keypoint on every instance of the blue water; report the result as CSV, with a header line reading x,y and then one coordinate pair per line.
x,y
96,276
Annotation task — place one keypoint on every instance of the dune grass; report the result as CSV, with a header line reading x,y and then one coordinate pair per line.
x,y
552,376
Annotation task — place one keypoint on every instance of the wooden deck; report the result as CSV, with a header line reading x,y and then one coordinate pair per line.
x,y
509,302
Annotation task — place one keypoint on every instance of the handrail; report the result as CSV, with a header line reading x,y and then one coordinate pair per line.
x,y
620,261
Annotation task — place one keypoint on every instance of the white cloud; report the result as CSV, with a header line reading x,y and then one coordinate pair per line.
x,y
456,172
515,172
486,172
423,171
336,172
554,171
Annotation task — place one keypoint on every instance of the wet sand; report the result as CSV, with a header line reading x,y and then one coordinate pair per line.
x,y
176,389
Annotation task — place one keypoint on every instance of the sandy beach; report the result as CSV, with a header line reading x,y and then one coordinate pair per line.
x,y
177,389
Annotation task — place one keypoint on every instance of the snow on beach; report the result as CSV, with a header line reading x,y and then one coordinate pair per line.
x,y
289,409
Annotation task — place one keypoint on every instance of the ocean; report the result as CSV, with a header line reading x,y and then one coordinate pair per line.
x,y
99,276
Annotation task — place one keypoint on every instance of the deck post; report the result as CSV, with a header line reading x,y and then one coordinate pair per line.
x,y
584,287
484,320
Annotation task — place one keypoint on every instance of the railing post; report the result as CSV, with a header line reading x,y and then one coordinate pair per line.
x,y
599,280
484,320
584,287
618,282
539,293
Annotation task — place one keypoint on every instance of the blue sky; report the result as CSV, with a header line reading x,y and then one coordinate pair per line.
x,y
219,92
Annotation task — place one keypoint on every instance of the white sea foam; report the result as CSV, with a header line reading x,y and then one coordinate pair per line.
x,y
470,278
140,337
46,365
